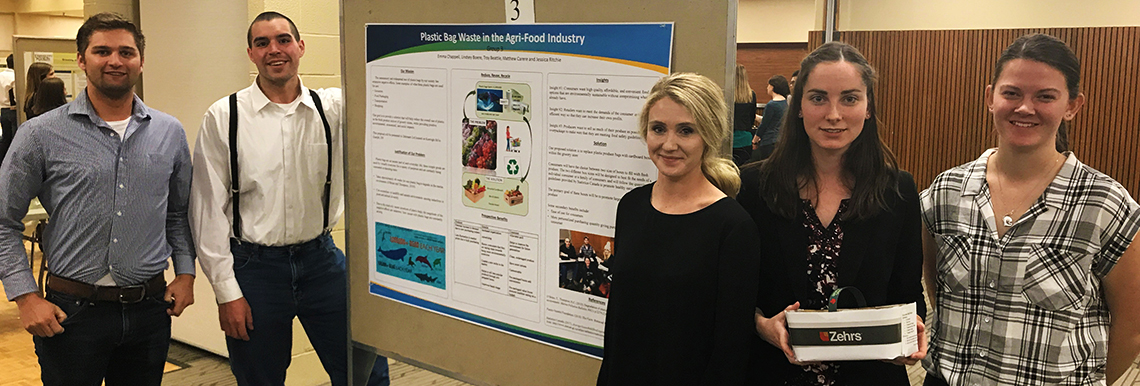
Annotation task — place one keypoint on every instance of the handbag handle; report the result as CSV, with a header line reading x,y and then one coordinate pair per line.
x,y
833,302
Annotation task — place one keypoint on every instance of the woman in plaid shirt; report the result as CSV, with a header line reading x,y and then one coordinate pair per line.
x,y
1030,254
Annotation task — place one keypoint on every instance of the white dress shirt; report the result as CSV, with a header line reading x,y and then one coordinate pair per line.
x,y
7,82
282,158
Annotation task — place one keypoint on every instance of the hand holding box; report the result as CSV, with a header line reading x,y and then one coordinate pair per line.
x,y
885,332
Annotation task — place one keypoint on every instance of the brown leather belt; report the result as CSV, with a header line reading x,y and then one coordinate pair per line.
x,y
124,294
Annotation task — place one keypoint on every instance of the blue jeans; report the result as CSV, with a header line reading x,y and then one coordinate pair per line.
x,y
124,344
306,281
564,274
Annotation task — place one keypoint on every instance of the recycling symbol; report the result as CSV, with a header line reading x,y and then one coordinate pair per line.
x,y
512,167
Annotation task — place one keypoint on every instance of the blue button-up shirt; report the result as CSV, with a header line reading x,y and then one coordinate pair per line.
x,y
116,205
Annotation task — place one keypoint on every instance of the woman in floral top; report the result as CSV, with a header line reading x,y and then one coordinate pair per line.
x,y
833,210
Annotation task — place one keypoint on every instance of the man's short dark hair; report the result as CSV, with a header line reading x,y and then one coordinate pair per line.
x,y
11,62
107,21
267,16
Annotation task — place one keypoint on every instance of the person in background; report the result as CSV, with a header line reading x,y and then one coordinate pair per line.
x,y
50,94
585,252
37,72
744,114
686,259
7,106
769,130
603,272
114,175
833,210
590,275
792,81
586,249
1031,256
568,262
265,240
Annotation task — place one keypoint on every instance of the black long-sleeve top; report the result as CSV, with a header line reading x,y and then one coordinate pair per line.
x,y
881,256
683,295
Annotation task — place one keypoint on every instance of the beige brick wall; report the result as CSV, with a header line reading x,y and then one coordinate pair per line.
x,y
319,24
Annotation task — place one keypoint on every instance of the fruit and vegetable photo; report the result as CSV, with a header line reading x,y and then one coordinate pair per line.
x,y
513,197
479,148
474,190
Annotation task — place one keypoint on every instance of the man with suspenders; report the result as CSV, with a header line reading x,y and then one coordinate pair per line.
x,y
268,186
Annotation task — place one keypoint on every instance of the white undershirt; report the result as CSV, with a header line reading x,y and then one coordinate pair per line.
x,y
288,107
121,128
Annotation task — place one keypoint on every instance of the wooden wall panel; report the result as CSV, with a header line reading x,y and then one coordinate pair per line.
x,y
762,60
931,95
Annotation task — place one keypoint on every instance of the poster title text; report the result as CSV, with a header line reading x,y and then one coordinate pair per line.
x,y
503,38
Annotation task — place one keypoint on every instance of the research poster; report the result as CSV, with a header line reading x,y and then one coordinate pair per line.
x,y
496,156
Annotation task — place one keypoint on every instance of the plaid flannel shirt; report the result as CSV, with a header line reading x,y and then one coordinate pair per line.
x,y
1026,308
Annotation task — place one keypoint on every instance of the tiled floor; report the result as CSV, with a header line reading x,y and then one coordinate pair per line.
x,y
19,367
17,357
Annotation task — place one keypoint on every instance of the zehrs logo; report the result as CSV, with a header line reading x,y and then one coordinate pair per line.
x,y
845,336
840,336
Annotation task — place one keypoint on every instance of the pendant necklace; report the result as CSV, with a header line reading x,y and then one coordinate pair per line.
x,y
1007,220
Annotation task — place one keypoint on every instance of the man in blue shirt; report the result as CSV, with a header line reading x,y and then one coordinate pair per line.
x,y
114,175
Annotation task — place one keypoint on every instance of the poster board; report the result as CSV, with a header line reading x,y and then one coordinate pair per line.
x,y
59,52
704,42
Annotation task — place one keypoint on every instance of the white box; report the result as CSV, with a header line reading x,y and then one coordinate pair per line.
x,y
885,332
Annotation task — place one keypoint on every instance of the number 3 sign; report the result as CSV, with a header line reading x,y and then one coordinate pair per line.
x,y
520,11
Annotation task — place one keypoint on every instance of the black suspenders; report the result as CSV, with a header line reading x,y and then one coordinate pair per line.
x,y
234,184
234,181
328,145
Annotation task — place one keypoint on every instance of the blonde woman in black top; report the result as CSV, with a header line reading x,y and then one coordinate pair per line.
x,y
744,115
685,258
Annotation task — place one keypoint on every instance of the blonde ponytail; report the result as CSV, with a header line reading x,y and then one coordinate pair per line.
x,y
723,174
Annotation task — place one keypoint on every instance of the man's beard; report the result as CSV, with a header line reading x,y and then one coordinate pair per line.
x,y
114,91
